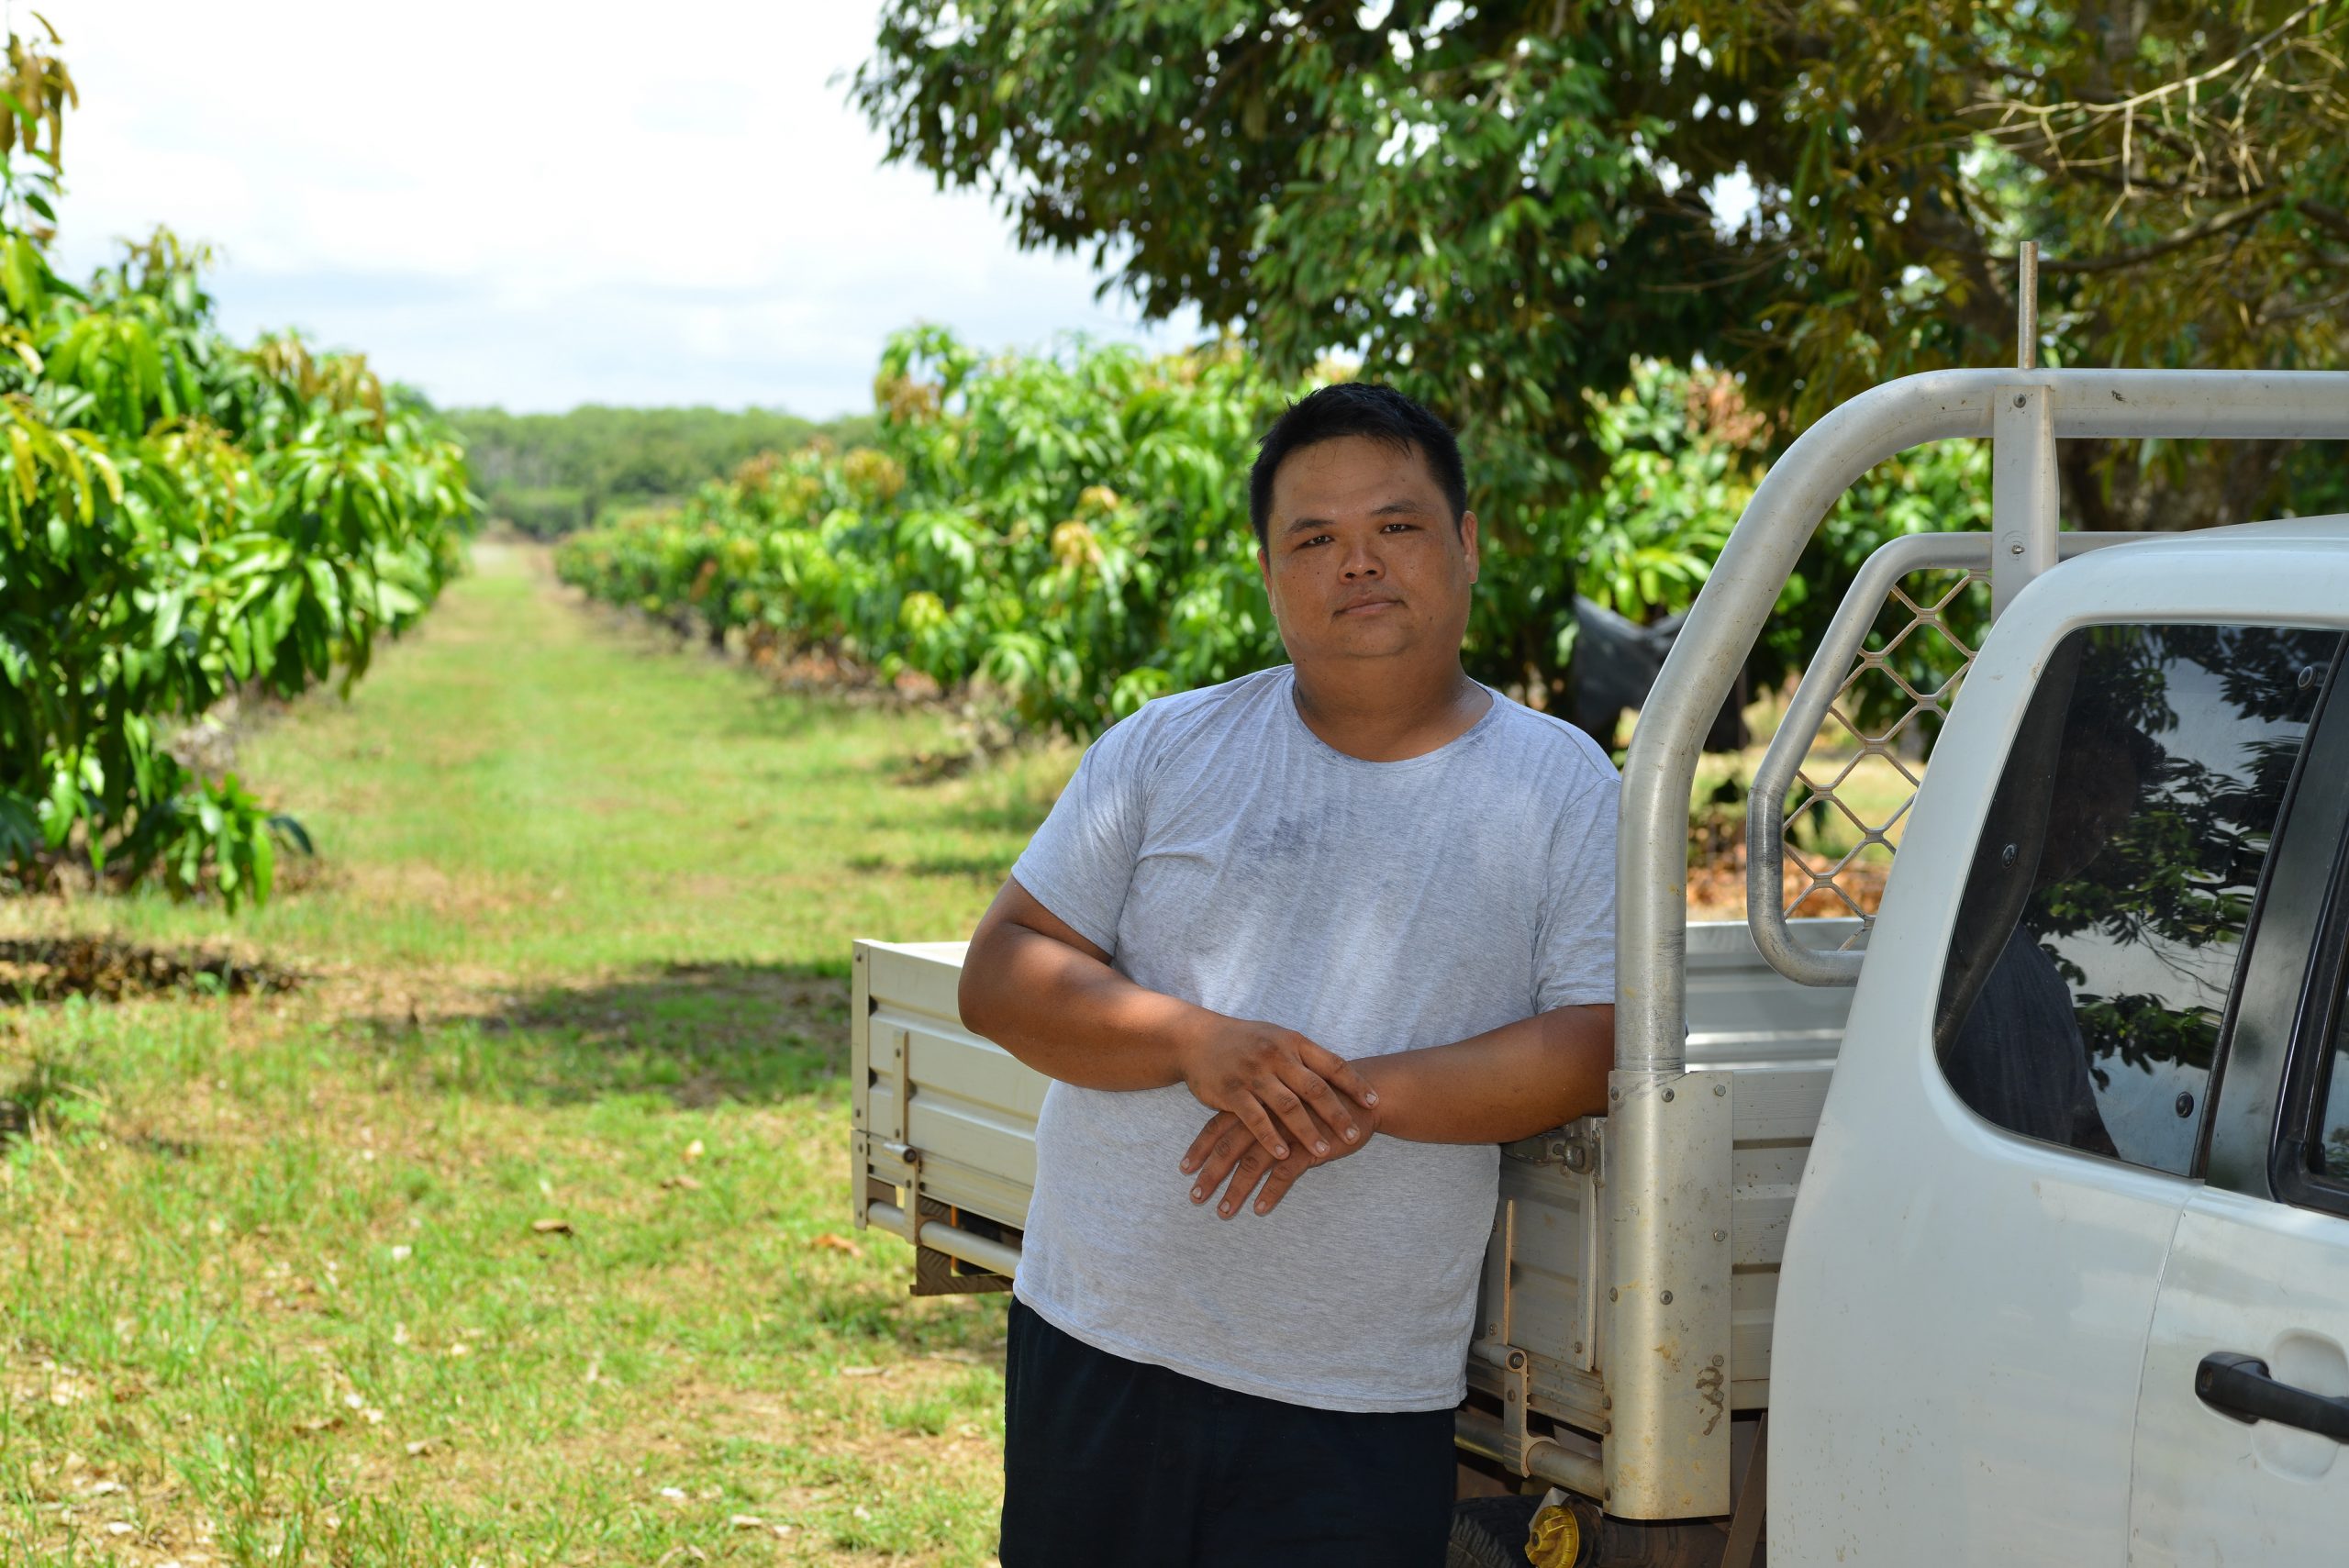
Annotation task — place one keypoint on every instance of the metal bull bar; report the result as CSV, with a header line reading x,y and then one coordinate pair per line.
x,y
1667,1455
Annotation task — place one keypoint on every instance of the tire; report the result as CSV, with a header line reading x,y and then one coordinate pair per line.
x,y
1489,1532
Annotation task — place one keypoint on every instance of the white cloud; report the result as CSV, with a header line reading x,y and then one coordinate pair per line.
x,y
539,204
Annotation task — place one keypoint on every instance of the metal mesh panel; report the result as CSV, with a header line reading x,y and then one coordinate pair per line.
x,y
1857,779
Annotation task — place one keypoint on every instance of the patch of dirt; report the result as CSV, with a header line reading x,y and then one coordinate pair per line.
x,y
48,969
1717,889
407,997
815,670
419,884
704,887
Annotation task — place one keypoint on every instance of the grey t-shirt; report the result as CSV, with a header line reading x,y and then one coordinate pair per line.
x,y
1224,854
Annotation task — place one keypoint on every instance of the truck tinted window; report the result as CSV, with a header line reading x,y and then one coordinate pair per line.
x,y
2105,910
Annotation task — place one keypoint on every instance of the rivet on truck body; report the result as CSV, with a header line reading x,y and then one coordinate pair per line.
x,y
1668,1094
1667,1299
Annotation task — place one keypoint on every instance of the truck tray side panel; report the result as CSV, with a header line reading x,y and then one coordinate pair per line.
x,y
939,1107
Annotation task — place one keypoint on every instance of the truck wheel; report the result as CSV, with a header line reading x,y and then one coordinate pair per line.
x,y
1489,1532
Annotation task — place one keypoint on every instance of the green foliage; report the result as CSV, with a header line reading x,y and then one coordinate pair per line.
x,y
550,474
2318,481
1679,469
1505,206
1071,530
1468,212
542,511
179,518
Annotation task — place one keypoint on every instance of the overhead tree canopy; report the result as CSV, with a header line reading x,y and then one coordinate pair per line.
x,y
1499,206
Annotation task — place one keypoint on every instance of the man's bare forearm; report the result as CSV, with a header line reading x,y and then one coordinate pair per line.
x,y
1070,1016
1496,1087
1507,1083
1046,993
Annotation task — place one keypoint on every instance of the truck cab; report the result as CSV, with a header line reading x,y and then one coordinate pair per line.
x,y
2015,1329
2005,1223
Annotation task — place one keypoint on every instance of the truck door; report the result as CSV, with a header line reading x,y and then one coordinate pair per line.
x,y
2243,1411
1963,1325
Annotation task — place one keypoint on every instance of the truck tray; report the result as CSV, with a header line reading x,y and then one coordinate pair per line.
x,y
944,1155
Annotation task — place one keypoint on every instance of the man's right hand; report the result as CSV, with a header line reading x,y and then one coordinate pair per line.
x,y
1268,1077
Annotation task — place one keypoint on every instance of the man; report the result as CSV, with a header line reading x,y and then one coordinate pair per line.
x,y
1298,950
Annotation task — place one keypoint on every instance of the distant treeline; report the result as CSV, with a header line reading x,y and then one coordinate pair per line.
x,y
549,475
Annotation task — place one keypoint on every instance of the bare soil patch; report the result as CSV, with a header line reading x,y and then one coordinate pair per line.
x,y
1717,889
107,969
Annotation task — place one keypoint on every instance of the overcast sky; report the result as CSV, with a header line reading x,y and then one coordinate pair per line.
x,y
541,204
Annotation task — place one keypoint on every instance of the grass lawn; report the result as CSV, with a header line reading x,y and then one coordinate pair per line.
x,y
514,1229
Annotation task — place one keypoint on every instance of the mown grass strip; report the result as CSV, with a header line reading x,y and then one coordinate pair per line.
x,y
516,1232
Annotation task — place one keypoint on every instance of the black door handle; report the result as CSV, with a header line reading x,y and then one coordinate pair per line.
x,y
2238,1385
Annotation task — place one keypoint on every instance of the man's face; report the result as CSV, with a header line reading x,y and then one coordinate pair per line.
x,y
1361,558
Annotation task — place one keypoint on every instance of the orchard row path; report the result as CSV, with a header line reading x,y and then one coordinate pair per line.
x,y
495,1210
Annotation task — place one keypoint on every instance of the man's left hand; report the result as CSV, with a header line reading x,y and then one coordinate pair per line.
x,y
1226,1148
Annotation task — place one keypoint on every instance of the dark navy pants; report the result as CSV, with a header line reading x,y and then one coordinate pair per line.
x,y
1110,1463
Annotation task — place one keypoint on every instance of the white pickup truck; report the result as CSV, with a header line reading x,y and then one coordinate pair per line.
x,y
2006,1225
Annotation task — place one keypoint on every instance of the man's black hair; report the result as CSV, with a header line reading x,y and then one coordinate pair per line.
x,y
1355,408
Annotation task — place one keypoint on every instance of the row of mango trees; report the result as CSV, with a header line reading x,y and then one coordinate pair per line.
x,y
181,519
1068,531
1071,530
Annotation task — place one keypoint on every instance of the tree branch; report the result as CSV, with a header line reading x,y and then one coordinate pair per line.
x,y
2325,216
2256,48
2312,307
2120,260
